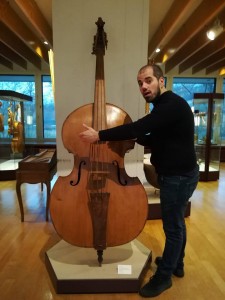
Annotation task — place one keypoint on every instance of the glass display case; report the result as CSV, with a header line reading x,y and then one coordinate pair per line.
x,y
12,137
208,121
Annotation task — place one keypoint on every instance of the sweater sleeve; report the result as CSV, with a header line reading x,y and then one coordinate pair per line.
x,y
135,130
118,133
144,140
162,116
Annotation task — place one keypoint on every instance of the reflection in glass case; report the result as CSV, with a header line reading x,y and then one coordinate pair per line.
x,y
12,141
208,121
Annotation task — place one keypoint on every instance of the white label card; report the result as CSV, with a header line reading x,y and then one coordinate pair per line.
x,y
125,269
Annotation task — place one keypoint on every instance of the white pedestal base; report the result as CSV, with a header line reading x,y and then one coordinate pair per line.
x,y
75,270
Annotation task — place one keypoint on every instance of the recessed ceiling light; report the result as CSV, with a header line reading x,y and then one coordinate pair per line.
x,y
171,50
216,30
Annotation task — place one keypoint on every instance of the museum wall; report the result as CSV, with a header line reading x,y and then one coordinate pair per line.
x,y
126,25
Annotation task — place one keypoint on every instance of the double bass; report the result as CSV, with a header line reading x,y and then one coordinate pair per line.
x,y
97,205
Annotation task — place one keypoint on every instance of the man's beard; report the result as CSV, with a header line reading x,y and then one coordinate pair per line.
x,y
150,99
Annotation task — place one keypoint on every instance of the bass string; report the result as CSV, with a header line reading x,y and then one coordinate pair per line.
x,y
99,167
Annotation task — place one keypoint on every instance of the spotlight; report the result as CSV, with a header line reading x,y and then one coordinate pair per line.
x,y
216,30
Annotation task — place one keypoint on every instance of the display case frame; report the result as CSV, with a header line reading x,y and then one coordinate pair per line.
x,y
208,120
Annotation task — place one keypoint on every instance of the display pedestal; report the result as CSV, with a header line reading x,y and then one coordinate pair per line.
x,y
16,155
75,270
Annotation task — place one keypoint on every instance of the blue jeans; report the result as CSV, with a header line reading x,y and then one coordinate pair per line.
x,y
175,192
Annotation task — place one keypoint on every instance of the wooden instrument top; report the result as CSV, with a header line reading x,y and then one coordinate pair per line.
x,y
44,160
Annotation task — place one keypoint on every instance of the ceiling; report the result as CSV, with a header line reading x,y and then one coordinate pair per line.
x,y
177,27
24,26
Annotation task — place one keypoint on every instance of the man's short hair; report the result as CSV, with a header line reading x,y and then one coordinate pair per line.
x,y
157,71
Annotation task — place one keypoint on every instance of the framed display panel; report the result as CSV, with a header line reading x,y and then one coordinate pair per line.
x,y
12,137
208,115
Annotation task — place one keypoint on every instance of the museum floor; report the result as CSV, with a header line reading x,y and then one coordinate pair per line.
x,y
23,273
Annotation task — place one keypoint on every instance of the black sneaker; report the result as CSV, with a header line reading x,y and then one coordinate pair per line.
x,y
179,272
156,285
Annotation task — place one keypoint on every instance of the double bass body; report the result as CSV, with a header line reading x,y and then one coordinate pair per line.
x,y
97,205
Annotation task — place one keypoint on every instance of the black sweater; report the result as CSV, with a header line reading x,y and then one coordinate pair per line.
x,y
168,131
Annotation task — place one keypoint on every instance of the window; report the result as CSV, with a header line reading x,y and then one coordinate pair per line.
x,y
24,84
186,87
49,124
